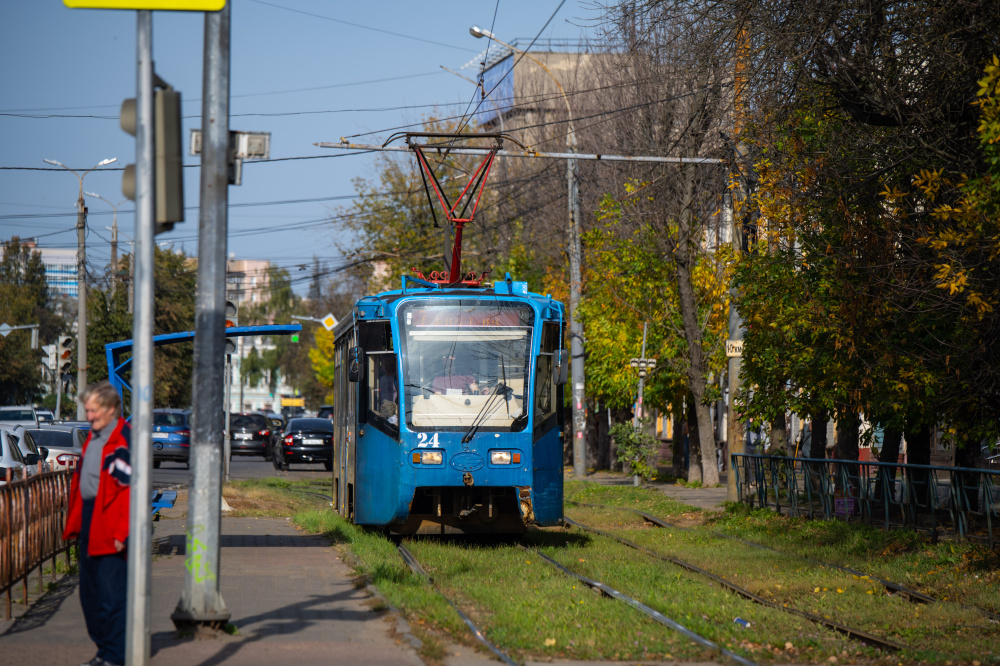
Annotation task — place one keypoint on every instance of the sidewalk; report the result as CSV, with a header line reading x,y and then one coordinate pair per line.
x,y
291,597
707,499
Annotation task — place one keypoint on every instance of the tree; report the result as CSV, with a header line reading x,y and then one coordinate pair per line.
x,y
23,300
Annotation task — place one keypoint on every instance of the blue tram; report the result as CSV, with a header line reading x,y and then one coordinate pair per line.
x,y
448,411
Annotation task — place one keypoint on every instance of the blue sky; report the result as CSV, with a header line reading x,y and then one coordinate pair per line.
x,y
299,59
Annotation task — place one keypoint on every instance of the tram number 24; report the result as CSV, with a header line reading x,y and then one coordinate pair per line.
x,y
425,440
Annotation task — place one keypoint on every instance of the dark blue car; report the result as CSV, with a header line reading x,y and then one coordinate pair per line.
x,y
171,436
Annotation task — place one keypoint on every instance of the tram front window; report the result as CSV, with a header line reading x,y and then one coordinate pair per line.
x,y
466,362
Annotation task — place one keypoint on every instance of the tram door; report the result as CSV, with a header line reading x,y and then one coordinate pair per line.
x,y
344,428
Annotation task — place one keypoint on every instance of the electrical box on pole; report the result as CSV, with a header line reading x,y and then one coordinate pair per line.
x,y
49,358
168,157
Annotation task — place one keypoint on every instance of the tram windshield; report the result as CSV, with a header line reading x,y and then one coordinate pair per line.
x,y
466,362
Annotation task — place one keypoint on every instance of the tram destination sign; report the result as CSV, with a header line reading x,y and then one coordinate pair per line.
x,y
454,318
169,5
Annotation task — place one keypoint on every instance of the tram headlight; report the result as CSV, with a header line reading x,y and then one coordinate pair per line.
x,y
428,457
500,457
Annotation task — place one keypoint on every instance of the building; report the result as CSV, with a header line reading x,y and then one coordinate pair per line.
x,y
248,280
60,270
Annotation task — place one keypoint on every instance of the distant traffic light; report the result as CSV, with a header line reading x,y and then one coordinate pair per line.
x,y
64,354
168,162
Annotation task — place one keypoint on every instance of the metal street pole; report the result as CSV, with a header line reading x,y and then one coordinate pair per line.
x,y
579,395
81,277
201,603
137,637
114,238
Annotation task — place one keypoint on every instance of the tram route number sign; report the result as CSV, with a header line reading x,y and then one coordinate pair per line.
x,y
734,348
170,5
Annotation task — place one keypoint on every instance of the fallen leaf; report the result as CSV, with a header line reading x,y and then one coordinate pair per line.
x,y
549,642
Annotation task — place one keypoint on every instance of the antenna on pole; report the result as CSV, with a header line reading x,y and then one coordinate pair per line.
x,y
457,213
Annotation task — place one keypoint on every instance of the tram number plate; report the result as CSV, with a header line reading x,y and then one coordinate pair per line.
x,y
425,440
312,441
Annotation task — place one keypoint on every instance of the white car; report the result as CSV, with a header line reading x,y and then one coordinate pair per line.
x,y
29,451
65,444
23,415
12,461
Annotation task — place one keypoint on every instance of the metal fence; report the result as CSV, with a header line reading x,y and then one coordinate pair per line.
x,y
32,517
957,500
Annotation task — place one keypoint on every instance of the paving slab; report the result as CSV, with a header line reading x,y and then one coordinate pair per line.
x,y
292,600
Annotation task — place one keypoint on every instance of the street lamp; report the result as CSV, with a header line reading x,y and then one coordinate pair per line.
x,y
575,258
114,238
81,277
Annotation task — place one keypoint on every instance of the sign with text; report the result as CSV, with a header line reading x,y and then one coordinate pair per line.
x,y
170,5
734,348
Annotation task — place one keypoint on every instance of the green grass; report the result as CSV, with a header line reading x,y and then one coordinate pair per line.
x,y
533,611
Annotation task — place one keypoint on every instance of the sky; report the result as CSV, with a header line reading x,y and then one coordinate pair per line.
x,y
304,70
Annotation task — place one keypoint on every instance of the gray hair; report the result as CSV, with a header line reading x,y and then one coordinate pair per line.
x,y
105,394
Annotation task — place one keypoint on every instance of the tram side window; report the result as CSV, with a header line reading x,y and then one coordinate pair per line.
x,y
546,401
383,392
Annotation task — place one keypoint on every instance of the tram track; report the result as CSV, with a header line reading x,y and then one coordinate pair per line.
x,y
852,632
894,588
415,566
609,591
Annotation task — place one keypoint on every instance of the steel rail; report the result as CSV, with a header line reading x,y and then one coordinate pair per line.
x,y
414,565
639,606
858,634
910,595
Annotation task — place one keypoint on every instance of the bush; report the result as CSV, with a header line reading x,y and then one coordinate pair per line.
x,y
635,450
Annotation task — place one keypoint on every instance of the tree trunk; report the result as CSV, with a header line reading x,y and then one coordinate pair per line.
x,y
603,458
969,454
846,448
779,435
890,454
677,443
694,442
592,438
688,237
918,452
817,448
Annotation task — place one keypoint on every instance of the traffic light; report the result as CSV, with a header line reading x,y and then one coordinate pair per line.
x,y
64,354
49,359
232,320
168,161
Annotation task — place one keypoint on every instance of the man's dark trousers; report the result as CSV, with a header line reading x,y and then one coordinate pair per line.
x,y
103,590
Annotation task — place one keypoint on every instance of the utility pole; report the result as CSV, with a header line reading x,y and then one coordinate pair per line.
x,y
81,277
114,238
643,365
734,346
140,587
201,604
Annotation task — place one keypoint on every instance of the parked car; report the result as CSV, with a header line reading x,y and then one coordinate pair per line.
x,y
23,415
325,412
250,435
277,424
307,440
29,449
171,436
44,416
19,465
64,443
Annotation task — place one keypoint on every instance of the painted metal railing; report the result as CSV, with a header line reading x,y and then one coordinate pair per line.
x,y
959,500
32,517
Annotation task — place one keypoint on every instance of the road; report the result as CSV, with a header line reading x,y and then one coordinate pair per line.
x,y
172,474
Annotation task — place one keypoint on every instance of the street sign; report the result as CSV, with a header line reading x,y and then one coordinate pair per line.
x,y
171,5
5,329
328,322
734,348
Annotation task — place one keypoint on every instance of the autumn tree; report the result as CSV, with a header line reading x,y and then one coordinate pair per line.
x,y
24,300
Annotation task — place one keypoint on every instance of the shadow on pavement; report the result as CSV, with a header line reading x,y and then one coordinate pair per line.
x,y
45,607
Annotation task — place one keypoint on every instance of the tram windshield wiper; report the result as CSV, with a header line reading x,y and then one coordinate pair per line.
x,y
488,407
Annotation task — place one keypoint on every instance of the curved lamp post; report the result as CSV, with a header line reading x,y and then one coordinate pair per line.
x,y
81,278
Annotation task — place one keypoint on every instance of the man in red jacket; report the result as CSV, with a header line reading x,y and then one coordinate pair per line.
x,y
98,518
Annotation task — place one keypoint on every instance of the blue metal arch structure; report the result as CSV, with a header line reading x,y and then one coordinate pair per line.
x,y
114,351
